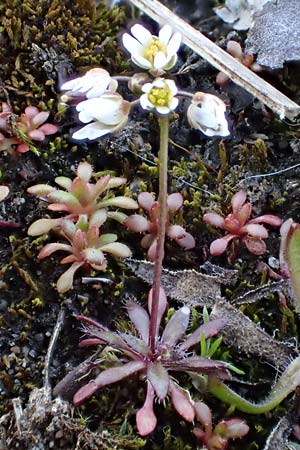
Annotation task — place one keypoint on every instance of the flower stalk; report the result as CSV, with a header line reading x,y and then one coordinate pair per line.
x,y
286,384
162,218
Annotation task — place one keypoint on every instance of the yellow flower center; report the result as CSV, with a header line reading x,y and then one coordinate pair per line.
x,y
153,47
160,96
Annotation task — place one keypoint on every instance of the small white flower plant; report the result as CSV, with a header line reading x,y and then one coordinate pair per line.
x,y
106,111
149,350
103,111
240,13
152,354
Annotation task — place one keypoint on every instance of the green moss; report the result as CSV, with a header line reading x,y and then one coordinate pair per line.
x,y
254,156
172,442
43,42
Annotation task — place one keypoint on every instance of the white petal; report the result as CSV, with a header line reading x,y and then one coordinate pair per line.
x,y
234,5
89,104
131,44
159,83
205,115
171,61
92,131
141,61
160,60
174,44
69,85
96,91
85,117
223,130
226,15
110,112
94,82
207,131
106,109
145,103
163,110
174,103
147,87
165,34
244,21
141,34
172,86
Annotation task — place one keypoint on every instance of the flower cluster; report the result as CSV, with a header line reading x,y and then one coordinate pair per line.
x,y
239,228
240,12
140,224
106,111
20,131
87,206
172,353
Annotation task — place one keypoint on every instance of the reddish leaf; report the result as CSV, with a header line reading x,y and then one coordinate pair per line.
x,y
176,327
203,414
209,329
255,246
145,417
181,402
159,378
140,318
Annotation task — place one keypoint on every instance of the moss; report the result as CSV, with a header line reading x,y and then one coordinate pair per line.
x,y
43,42
224,164
254,156
172,442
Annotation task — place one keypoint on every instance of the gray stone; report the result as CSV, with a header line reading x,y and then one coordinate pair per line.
x,y
275,34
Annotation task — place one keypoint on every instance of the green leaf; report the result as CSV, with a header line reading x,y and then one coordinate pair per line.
x,y
203,345
214,347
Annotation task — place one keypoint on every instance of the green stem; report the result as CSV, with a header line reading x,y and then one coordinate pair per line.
x,y
286,384
161,232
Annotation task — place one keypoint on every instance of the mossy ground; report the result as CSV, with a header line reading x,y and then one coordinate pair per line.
x,y
72,36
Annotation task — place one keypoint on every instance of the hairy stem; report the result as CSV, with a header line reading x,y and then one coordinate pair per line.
x,y
286,384
162,218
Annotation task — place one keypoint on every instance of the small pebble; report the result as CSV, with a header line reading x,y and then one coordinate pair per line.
x,y
15,349
273,262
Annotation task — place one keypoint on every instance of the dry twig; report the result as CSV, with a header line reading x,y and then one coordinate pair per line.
x,y
221,60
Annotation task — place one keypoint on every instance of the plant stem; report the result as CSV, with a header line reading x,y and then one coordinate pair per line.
x,y
184,94
286,384
161,232
121,78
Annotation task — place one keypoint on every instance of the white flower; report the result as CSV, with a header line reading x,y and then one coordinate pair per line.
x,y
109,113
207,114
159,95
157,54
240,12
93,84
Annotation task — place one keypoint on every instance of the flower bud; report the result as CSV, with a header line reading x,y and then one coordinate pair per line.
x,y
137,81
207,114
